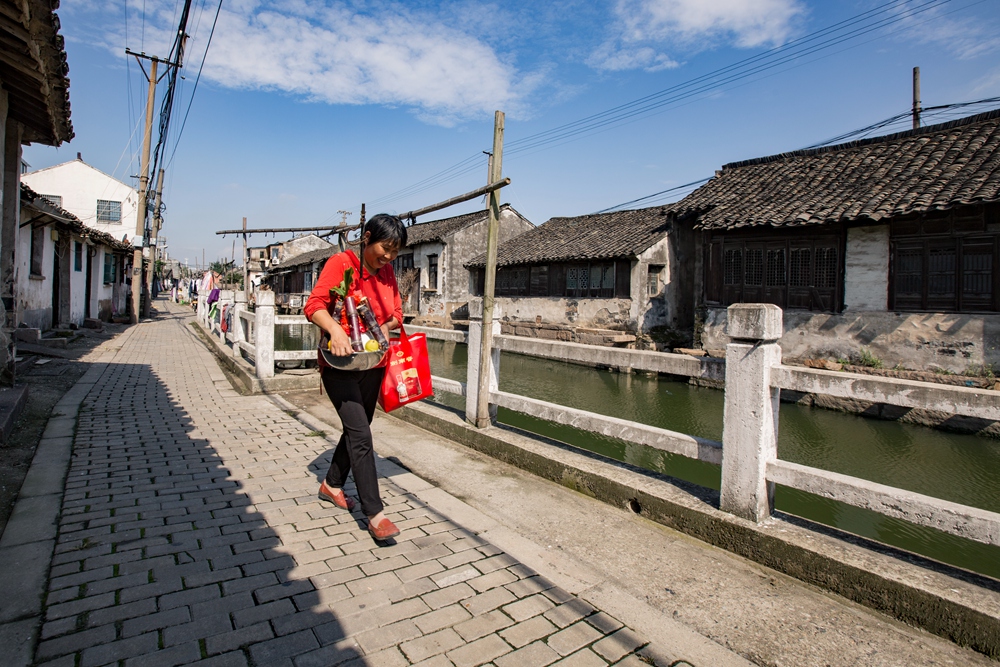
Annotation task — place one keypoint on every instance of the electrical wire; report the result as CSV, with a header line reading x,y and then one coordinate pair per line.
x,y
821,40
655,194
195,87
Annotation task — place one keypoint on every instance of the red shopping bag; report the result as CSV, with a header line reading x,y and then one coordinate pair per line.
x,y
407,373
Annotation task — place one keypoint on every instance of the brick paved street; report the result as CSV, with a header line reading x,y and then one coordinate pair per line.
x,y
190,533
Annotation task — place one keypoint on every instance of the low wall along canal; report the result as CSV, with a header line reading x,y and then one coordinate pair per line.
x,y
960,468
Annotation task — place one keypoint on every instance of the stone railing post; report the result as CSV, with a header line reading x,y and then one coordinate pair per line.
x,y
202,308
239,306
225,297
472,376
263,329
750,415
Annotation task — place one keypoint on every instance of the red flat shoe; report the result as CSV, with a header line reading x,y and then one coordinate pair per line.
x,y
384,530
335,496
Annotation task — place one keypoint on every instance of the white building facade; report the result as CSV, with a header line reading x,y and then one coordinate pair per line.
x,y
95,198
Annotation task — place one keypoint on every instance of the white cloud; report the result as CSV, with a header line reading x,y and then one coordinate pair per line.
x,y
645,28
330,52
965,37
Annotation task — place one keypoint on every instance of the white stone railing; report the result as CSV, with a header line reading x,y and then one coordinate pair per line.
x,y
748,453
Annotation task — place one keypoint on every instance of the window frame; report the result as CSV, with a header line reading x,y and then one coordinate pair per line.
x,y
106,211
757,267
37,260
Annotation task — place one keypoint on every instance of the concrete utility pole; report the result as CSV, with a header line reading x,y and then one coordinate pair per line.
x,y
154,243
492,236
140,221
916,97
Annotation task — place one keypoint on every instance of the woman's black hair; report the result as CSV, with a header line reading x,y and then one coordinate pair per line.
x,y
385,227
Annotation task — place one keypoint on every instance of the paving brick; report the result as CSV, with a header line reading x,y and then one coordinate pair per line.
x,y
264,612
458,575
528,607
436,661
479,652
584,658
442,618
121,612
229,641
432,644
528,631
480,626
491,599
614,647
448,595
374,583
570,612
377,639
158,621
198,629
333,654
606,624
492,580
537,654
271,651
119,650
574,638
183,654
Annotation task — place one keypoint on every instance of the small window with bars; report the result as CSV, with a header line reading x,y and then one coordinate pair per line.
x,y
109,211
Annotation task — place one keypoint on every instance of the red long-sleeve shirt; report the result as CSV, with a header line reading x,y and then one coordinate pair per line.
x,y
380,288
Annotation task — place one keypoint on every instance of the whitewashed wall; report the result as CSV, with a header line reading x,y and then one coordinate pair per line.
x,y
80,186
34,293
866,271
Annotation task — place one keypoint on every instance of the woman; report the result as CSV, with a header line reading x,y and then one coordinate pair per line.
x,y
355,393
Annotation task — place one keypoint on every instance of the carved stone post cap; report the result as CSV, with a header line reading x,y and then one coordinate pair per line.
x,y
476,309
265,298
754,321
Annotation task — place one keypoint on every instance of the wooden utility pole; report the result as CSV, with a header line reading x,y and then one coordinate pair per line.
x,y
246,268
154,243
140,219
492,236
916,97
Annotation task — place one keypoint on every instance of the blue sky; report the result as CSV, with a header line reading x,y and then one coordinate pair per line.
x,y
307,107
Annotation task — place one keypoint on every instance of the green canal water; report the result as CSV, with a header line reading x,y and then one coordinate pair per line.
x,y
960,468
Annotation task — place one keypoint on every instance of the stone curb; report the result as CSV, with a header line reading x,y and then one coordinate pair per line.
x,y
567,573
28,540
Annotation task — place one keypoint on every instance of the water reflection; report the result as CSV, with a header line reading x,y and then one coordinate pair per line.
x,y
960,468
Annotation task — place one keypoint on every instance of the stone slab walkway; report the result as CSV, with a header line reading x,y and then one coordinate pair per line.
x,y
188,532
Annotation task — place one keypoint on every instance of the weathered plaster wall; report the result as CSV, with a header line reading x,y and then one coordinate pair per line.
x,y
592,313
922,341
34,293
866,275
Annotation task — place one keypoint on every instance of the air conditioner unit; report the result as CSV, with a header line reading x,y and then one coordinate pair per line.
x,y
274,261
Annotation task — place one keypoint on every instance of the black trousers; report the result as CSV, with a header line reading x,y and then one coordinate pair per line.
x,y
354,394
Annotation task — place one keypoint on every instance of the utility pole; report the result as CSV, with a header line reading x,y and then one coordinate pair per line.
x,y
154,243
492,236
916,97
140,222
246,268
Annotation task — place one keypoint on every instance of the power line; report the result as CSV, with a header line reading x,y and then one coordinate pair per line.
x,y
197,79
826,38
655,194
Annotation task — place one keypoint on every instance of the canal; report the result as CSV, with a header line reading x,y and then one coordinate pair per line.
x,y
960,468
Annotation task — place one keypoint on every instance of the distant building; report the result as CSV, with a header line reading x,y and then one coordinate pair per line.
x,y
603,278
97,199
437,251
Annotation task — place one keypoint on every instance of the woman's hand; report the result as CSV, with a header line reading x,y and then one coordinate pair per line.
x,y
340,343
385,330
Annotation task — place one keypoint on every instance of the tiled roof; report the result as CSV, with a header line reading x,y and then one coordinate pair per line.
x,y
306,258
436,230
599,236
932,168
33,68
36,201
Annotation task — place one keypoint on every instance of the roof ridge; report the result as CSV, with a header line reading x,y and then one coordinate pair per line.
x,y
887,138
